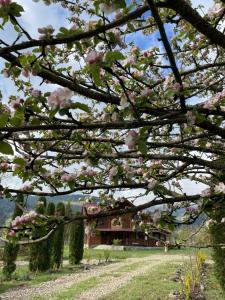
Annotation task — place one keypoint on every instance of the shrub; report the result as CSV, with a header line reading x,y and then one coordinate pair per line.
x,y
58,241
39,252
11,250
191,283
218,237
76,242
106,255
116,242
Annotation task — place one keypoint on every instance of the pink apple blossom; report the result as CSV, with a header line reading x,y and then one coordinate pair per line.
x,y
16,103
220,188
107,8
131,139
94,57
113,172
35,93
6,73
146,92
206,193
11,233
5,2
4,166
61,98
152,183
25,73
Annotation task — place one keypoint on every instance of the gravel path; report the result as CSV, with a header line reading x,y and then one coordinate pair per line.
x,y
111,284
48,289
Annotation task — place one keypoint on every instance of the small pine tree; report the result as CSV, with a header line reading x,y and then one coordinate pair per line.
x,y
76,242
10,249
58,244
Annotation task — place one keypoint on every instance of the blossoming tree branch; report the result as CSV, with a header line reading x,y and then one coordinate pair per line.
x,y
93,109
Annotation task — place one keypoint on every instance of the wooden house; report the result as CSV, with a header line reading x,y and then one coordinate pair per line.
x,y
124,230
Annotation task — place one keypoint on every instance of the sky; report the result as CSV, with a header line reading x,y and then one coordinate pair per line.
x,y
39,15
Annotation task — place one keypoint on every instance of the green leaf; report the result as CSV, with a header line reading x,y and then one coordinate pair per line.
x,y
81,106
6,148
142,146
113,55
15,9
19,161
3,119
95,72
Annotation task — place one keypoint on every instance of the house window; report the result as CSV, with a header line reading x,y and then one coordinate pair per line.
x,y
102,221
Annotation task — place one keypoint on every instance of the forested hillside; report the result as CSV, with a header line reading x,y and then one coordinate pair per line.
x,y
7,206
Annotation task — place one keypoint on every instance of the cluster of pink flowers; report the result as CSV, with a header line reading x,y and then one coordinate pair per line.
x,y
216,11
191,118
206,193
118,38
6,73
61,98
214,100
152,183
94,57
4,166
210,222
35,93
129,61
46,31
146,93
113,173
5,2
17,103
68,177
131,139
220,188
22,220
107,8
27,188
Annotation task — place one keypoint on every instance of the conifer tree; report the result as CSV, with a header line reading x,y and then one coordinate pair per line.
x,y
10,249
50,241
39,258
58,244
76,242
68,214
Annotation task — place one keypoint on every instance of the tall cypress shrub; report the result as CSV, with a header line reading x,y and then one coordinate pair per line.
x,y
58,244
218,237
68,214
50,241
39,258
11,249
215,208
76,242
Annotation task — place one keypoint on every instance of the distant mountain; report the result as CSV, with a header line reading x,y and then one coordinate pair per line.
x,y
7,206
179,213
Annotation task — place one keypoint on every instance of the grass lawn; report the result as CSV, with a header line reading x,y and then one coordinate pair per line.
x,y
154,285
22,273
213,289
97,254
